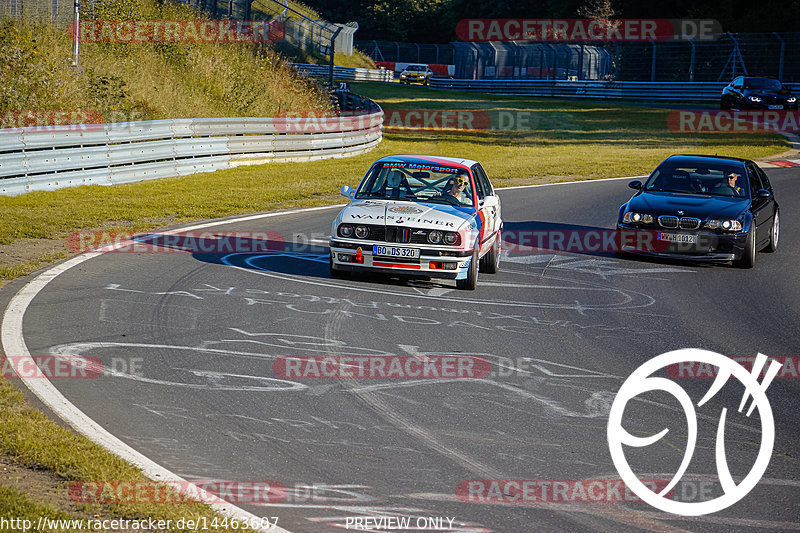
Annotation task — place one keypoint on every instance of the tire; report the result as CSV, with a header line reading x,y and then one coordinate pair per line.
x,y
774,233
471,281
490,263
748,259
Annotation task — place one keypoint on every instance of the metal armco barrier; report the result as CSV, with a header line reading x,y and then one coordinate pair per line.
x,y
345,73
640,90
36,159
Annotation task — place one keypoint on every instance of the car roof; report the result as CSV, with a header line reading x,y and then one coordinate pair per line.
x,y
701,160
427,160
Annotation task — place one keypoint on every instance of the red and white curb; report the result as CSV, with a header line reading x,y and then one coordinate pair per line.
x,y
780,163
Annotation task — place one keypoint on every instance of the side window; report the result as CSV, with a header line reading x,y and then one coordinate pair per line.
x,y
477,171
765,184
738,83
480,175
755,180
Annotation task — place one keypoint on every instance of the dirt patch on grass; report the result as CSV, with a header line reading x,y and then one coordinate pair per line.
x,y
26,250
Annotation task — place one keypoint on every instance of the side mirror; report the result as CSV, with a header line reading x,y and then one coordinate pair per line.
x,y
635,184
764,193
490,201
347,191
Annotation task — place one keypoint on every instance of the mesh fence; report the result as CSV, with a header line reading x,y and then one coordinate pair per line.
x,y
59,11
775,55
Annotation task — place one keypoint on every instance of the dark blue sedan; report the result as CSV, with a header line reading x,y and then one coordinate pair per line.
x,y
702,208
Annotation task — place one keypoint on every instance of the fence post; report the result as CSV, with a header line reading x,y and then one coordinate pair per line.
x,y
332,52
780,61
580,63
76,21
691,62
653,63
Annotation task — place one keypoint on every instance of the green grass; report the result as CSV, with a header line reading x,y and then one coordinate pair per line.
x,y
141,81
36,441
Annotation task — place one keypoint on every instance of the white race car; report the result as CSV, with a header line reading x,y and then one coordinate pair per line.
x,y
421,215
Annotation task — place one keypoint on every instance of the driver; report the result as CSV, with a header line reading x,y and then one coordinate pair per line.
x,y
733,179
456,187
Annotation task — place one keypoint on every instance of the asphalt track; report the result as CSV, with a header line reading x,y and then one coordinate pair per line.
x,y
202,332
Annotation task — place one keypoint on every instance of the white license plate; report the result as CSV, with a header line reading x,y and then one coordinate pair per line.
x,y
678,237
775,107
396,251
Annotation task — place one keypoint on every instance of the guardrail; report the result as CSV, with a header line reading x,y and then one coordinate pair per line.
x,y
675,91
344,73
34,159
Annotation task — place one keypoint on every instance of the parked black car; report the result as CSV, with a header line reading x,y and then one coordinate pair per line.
x,y
704,208
757,93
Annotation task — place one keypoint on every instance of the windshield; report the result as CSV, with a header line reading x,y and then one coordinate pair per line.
x,y
416,68
763,83
727,180
417,182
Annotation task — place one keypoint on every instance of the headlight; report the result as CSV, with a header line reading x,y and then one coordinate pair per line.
x,y
754,98
791,100
362,232
346,230
451,238
727,225
435,237
637,218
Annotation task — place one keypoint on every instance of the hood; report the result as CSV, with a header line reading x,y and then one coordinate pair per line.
x,y
410,214
692,205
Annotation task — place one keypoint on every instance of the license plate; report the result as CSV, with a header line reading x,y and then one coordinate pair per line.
x,y
678,237
775,107
396,251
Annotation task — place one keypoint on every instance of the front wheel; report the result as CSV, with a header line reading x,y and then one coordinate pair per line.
x,y
471,281
774,233
748,259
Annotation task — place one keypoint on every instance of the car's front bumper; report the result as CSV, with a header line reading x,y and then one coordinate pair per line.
x,y
710,246
435,262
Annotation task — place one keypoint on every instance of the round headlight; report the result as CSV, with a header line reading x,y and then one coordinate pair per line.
x,y
637,217
362,232
451,238
727,224
346,230
435,237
